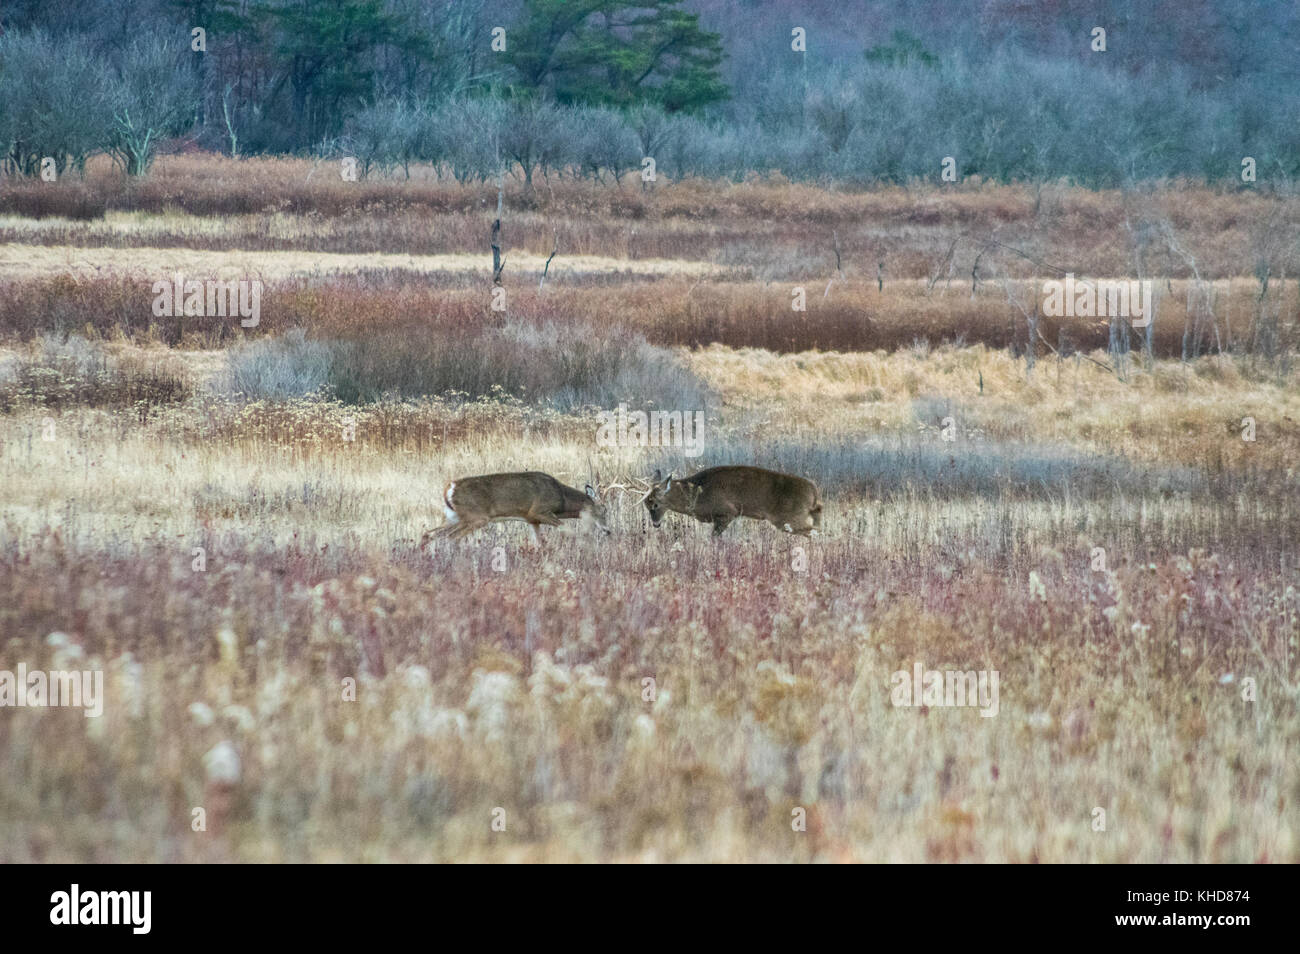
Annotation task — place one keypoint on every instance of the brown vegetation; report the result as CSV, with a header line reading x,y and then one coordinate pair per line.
x,y
228,522
850,317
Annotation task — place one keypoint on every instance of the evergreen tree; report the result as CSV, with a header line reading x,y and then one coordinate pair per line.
x,y
617,52
326,51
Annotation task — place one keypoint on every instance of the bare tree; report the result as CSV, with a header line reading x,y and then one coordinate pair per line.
x,y
469,131
153,96
537,135
605,144
54,102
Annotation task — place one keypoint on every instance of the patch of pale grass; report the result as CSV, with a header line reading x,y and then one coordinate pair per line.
x,y
29,261
1074,402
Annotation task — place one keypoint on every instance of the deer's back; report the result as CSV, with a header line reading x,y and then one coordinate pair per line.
x,y
754,490
497,495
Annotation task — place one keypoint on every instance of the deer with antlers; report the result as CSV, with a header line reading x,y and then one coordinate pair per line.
x,y
533,497
721,494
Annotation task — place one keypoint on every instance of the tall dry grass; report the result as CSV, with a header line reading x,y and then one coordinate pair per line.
x,y
523,688
771,229
58,372
669,312
1107,540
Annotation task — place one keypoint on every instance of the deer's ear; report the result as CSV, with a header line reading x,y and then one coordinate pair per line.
x,y
591,491
659,475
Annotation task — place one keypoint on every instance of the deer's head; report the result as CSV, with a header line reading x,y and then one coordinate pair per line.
x,y
670,493
594,511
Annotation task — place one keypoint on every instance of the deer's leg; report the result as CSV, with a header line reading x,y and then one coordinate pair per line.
x,y
452,522
535,517
720,523
808,525
464,528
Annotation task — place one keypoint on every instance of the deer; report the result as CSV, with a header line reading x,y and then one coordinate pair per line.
x,y
471,503
721,494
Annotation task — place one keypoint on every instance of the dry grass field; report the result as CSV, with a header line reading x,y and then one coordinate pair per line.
x,y
230,523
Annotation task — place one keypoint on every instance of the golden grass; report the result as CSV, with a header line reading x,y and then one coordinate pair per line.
x,y
498,677
1171,413
774,229
33,261
523,689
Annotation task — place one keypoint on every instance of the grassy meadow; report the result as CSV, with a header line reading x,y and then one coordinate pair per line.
x,y
231,523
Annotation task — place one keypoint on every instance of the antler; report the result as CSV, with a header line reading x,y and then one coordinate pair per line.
x,y
643,491
623,487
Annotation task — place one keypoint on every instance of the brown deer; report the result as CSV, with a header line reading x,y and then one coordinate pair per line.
x,y
536,498
721,494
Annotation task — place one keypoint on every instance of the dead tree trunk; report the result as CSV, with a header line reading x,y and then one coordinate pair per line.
x,y
498,263
547,267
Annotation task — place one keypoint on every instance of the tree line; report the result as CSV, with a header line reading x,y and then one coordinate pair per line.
x,y
595,87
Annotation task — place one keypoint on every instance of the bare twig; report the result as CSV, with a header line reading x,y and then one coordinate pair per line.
x,y
839,270
546,269
947,261
1078,354
1024,255
974,271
